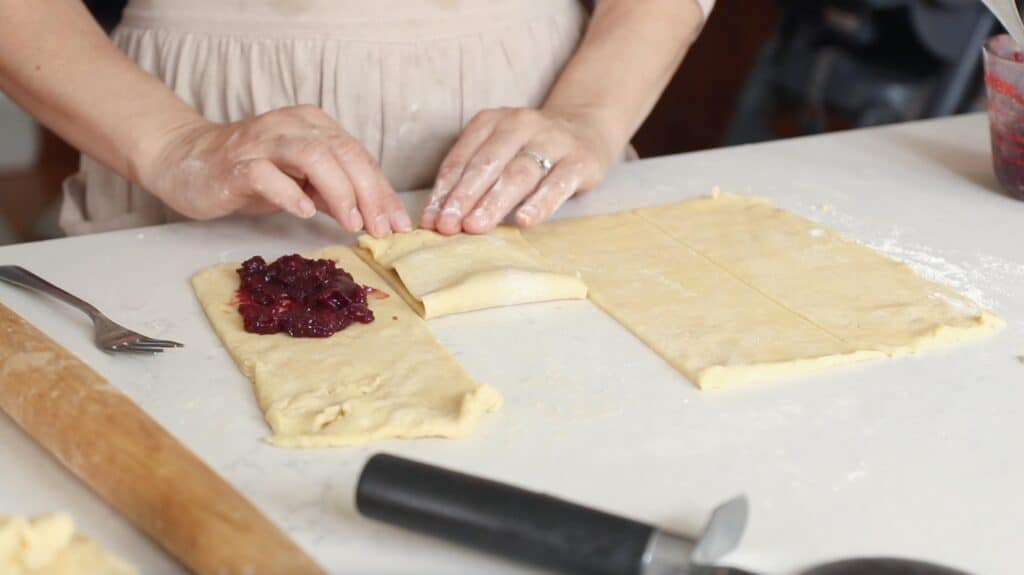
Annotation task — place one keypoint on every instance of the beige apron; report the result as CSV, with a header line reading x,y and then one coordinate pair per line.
x,y
402,76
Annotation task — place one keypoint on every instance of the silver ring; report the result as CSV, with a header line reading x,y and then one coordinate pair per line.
x,y
543,161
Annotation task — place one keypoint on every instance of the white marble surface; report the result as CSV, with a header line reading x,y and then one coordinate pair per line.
x,y
916,457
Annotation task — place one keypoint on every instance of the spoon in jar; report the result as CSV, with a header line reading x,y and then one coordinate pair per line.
x,y
1008,14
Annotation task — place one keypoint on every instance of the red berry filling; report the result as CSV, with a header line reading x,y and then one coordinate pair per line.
x,y
300,297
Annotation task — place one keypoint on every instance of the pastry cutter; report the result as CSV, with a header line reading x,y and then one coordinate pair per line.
x,y
538,528
566,537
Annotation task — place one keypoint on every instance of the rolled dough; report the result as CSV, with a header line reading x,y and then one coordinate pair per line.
x,y
387,379
441,275
731,289
48,545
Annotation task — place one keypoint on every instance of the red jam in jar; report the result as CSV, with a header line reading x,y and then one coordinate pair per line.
x,y
300,297
1004,82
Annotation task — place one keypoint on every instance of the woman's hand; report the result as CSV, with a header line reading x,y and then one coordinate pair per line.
x,y
626,58
485,175
292,159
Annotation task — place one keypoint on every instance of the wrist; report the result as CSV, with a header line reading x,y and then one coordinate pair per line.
x,y
604,132
157,146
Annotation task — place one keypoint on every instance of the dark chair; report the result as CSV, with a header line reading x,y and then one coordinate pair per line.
x,y
864,63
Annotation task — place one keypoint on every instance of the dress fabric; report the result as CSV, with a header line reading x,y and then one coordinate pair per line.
x,y
402,76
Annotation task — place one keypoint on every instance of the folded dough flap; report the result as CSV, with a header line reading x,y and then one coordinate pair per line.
x,y
453,274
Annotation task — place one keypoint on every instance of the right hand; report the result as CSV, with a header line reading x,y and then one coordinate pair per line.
x,y
293,159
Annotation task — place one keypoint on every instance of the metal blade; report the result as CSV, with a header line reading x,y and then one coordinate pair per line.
x,y
672,554
723,531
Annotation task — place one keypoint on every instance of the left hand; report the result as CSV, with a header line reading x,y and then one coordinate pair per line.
x,y
484,176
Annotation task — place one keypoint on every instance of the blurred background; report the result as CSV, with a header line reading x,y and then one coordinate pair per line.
x,y
763,69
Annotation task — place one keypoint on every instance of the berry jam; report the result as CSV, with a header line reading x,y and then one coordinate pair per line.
x,y
300,297
1004,80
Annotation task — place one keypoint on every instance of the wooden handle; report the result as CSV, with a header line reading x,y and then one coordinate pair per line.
x,y
133,463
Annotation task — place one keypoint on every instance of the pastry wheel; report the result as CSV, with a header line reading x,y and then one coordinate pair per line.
x,y
564,536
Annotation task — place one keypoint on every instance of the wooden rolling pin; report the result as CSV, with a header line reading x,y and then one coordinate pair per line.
x,y
133,463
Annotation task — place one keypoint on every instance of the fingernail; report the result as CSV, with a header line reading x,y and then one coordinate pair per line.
x,y
477,217
527,214
450,219
380,225
355,219
402,222
307,208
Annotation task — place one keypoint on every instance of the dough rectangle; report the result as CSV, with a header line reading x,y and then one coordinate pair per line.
x,y
731,289
387,379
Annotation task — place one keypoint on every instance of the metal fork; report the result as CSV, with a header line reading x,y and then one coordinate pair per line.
x,y
110,336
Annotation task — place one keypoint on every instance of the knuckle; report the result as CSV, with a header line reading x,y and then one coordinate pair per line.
x,y
451,167
508,125
500,204
347,147
522,114
558,184
558,188
278,117
314,152
267,116
253,171
519,173
557,137
237,172
249,135
307,110
519,119
580,164
483,161
591,163
482,117
279,140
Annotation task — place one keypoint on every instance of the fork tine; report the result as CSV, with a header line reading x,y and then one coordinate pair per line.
x,y
133,348
160,342
143,344
146,342
144,347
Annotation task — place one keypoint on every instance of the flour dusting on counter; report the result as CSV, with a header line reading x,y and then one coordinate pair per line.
x,y
963,272
999,276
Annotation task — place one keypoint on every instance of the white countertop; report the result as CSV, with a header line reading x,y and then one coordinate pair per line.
x,y
915,457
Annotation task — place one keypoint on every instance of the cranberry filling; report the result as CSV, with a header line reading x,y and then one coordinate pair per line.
x,y
300,297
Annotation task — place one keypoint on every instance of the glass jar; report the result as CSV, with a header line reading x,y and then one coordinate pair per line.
x,y
1004,83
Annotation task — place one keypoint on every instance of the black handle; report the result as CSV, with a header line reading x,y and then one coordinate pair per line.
x,y
499,518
